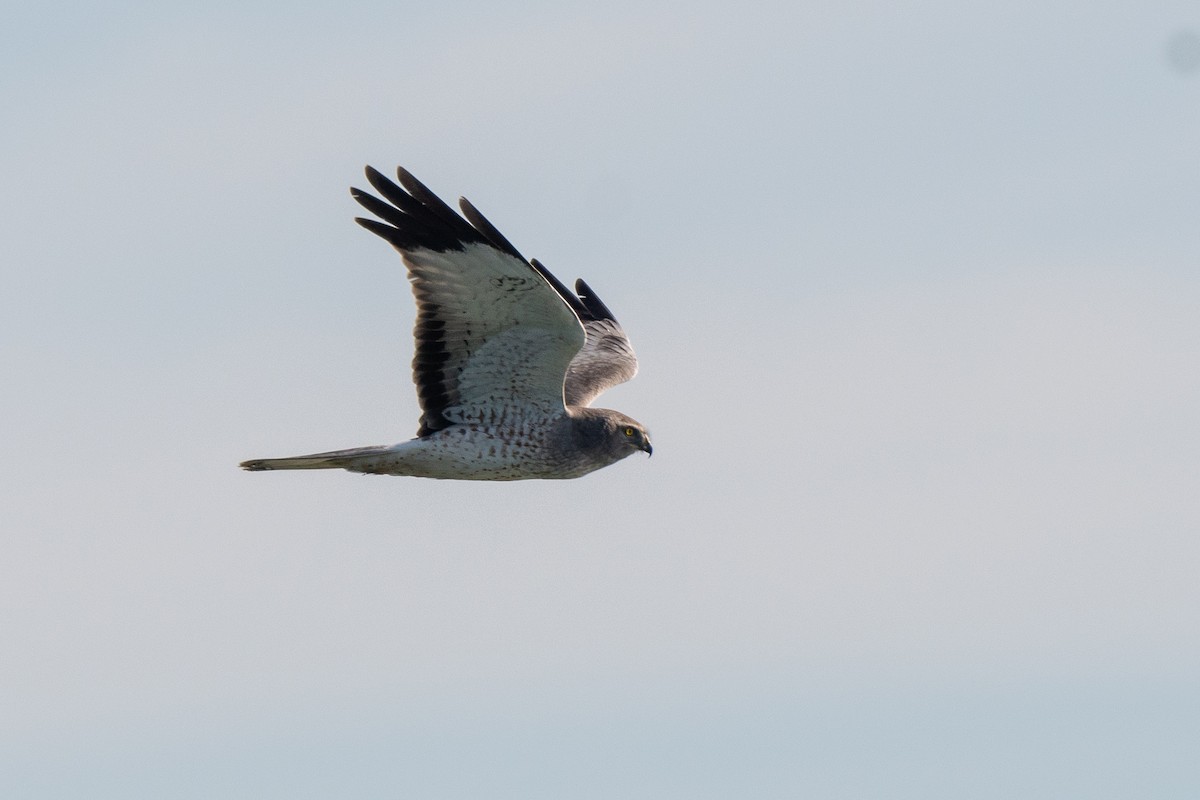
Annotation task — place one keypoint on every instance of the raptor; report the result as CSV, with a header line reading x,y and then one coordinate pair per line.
x,y
508,359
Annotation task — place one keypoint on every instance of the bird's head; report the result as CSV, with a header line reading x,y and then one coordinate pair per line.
x,y
635,436
612,433
628,435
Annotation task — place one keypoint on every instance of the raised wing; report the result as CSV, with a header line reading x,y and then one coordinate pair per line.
x,y
607,358
493,337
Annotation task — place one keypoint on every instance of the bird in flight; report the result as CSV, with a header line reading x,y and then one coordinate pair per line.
x,y
508,359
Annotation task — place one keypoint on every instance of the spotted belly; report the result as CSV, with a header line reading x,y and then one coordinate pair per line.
x,y
516,451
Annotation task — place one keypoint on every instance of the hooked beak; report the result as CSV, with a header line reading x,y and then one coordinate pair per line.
x,y
648,448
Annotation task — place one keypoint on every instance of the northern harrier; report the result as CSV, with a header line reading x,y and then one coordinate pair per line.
x,y
508,359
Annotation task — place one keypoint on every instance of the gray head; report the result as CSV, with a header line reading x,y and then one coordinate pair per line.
x,y
609,435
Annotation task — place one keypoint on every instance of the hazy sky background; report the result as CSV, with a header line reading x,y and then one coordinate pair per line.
x,y
915,289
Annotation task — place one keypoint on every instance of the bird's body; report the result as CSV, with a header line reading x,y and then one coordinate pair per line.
x,y
508,359
503,449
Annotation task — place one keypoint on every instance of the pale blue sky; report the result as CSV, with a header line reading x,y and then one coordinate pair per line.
x,y
915,288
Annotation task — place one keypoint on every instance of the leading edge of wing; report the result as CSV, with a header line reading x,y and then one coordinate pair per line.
x,y
607,357
584,301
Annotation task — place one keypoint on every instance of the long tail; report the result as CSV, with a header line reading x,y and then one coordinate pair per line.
x,y
335,459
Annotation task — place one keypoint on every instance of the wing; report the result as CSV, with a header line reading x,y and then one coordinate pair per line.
x,y
493,337
606,358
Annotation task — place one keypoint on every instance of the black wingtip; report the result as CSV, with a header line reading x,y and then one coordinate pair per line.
x,y
592,302
489,231
363,198
417,189
382,183
392,236
409,182
566,294
416,216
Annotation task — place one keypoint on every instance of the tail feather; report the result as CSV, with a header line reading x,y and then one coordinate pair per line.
x,y
335,459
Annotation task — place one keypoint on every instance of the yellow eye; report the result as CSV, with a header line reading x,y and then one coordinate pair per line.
x,y
629,431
